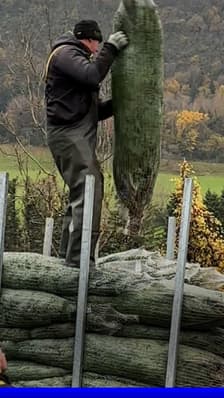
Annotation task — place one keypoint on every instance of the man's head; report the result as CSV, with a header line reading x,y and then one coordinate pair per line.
x,y
88,32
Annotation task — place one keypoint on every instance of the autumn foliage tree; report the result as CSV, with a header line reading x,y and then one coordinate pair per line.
x,y
206,242
187,123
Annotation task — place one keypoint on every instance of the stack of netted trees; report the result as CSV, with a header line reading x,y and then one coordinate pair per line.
x,y
129,311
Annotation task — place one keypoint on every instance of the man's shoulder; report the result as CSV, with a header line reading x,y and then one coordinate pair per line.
x,y
68,50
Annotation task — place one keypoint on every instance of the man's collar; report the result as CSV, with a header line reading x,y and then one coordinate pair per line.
x,y
84,47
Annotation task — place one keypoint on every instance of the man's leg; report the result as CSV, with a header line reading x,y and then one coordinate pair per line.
x,y
75,157
75,230
65,232
77,205
98,199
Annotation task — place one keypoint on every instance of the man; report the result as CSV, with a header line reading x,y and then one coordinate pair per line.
x,y
73,112
4,381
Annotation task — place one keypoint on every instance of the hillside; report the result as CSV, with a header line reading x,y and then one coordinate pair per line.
x,y
191,29
193,54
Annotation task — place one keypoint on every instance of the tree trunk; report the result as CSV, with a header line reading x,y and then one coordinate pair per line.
x,y
134,222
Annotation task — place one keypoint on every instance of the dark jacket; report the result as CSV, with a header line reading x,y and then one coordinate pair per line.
x,y
72,82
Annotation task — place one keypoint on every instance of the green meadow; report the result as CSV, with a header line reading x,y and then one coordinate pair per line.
x,y
210,175
165,184
9,161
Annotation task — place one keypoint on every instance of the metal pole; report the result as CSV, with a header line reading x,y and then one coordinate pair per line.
x,y
97,250
171,237
48,235
3,207
83,281
179,284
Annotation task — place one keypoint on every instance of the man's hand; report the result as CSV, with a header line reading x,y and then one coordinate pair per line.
x,y
3,362
118,39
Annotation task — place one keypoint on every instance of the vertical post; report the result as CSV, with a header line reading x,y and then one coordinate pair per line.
x,y
48,235
83,281
171,237
179,284
97,250
3,207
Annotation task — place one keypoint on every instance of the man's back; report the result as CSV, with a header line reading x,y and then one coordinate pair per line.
x,y
72,78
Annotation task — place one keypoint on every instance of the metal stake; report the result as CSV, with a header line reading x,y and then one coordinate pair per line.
x,y
171,237
83,281
3,207
49,225
179,284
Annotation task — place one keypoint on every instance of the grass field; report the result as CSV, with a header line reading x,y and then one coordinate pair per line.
x,y
9,161
210,175
165,184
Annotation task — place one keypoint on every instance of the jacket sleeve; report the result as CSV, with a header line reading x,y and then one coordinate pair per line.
x,y
105,109
82,70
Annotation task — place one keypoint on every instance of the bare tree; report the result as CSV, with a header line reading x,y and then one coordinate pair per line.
x,y
25,54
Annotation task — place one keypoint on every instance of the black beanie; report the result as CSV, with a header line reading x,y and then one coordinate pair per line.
x,y
88,29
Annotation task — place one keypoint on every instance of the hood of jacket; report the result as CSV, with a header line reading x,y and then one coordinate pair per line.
x,y
69,38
